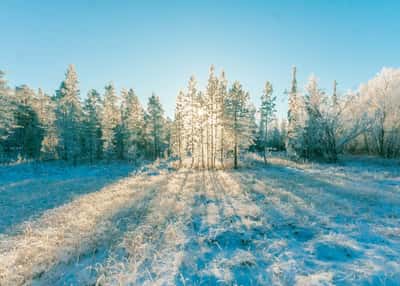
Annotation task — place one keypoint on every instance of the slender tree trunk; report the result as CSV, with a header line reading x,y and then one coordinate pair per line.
x,y
222,148
381,136
202,149
235,163
265,142
222,132
366,142
216,141
212,131
192,130
208,145
180,148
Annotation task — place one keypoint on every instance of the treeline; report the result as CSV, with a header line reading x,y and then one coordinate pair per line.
x,y
211,128
36,126
322,125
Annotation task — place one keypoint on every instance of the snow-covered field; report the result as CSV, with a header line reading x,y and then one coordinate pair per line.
x,y
281,224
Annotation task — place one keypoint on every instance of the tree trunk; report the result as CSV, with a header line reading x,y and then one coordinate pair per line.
x,y
235,162
236,144
222,148
202,150
179,149
265,142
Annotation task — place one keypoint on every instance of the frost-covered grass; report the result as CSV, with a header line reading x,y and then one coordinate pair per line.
x,y
29,189
281,224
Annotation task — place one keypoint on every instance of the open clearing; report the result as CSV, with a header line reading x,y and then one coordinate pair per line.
x,y
281,224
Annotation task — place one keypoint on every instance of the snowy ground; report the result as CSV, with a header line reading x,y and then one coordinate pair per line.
x,y
283,224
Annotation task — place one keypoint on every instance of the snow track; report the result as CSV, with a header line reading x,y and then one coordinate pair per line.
x,y
268,225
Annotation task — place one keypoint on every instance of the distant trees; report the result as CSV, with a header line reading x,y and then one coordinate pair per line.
x,y
109,127
211,128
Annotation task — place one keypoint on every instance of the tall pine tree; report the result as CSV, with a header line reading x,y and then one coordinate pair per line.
x,y
155,124
133,125
110,120
69,117
92,126
241,123
267,112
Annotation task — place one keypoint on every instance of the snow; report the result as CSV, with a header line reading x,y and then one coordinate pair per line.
x,y
281,224
27,190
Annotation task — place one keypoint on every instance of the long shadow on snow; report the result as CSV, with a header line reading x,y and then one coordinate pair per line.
x,y
31,189
211,243
81,269
145,266
307,187
295,232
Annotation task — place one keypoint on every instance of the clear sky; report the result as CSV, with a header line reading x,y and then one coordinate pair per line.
x,y
157,45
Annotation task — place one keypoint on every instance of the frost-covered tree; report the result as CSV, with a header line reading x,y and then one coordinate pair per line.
x,y
330,123
178,137
133,126
344,122
166,145
202,125
47,117
110,120
221,115
381,99
293,116
211,109
155,123
241,123
313,135
28,132
69,117
267,114
92,126
190,117
7,120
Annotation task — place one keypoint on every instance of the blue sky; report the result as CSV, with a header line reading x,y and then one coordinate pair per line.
x,y
157,45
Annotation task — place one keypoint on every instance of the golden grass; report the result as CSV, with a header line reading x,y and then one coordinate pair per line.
x,y
64,232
